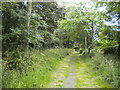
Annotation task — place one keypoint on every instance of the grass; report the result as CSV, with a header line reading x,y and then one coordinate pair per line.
x,y
37,75
0,79
48,69
86,75
106,67
59,75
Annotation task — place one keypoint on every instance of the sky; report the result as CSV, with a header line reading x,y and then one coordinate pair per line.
x,y
68,3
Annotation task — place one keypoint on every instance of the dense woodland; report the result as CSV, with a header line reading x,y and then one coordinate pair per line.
x,y
42,32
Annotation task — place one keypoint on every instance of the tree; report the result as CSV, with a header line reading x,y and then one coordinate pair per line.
x,y
79,26
25,26
112,12
26,43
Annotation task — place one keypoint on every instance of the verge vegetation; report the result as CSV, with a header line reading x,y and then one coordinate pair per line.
x,y
37,35
36,75
101,71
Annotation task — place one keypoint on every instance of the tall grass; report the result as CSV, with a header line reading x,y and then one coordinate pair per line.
x,y
106,66
36,75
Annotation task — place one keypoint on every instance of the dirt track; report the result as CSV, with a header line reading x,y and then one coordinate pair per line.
x,y
71,79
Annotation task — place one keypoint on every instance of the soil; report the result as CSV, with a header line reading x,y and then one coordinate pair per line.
x,y
71,79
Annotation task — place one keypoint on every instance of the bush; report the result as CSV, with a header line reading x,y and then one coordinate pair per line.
x,y
38,73
106,67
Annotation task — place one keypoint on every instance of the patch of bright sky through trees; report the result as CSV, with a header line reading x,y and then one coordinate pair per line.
x,y
68,3
88,3
113,22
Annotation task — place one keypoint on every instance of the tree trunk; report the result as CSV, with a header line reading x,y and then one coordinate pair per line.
x,y
26,44
85,41
118,32
92,34
118,51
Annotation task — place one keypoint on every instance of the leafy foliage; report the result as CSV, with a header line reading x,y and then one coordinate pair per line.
x,y
38,25
37,74
43,19
107,68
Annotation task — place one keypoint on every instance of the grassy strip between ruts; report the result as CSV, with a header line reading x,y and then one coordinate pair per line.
x,y
38,74
60,74
86,76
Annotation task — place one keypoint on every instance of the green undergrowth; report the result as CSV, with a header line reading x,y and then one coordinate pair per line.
x,y
86,75
36,75
104,68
